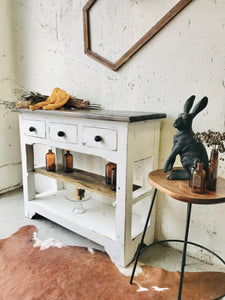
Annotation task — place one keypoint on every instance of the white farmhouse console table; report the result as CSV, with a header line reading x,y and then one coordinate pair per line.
x,y
129,139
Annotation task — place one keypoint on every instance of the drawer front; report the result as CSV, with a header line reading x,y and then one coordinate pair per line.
x,y
100,138
34,128
66,133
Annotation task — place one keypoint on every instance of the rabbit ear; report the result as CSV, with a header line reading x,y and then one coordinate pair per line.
x,y
200,106
188,104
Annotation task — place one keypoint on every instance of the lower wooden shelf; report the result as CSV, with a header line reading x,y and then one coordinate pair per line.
x,y
99,219
81,179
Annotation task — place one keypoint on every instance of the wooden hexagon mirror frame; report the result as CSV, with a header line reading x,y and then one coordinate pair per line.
x,y
140,43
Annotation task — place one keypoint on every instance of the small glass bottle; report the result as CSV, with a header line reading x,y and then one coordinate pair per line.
x,y
196,161
199,179
68,162
108,169
113,179
50,160
212,171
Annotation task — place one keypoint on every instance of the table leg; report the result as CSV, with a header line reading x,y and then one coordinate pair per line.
x,y
184,249
140,246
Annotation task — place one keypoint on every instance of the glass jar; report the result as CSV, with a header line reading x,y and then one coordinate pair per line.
x,y
68,162
108,169
199,179
50,160
212,171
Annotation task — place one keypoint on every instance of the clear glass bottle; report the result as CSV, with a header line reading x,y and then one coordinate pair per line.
x,y
108,169
212,171
199,179
113,179
68,162
50,160
196,161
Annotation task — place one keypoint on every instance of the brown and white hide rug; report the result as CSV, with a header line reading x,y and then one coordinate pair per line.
x,y
31,270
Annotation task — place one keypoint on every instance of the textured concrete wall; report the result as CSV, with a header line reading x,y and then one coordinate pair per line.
x,y
185,58
10,161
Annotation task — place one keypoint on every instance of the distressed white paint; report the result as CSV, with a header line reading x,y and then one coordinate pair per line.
x,y
185,58
117,228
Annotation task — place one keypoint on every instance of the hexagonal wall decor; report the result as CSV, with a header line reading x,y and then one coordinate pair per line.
x,y
139,44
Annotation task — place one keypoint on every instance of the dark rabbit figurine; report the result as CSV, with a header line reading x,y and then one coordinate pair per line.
x,y
184,143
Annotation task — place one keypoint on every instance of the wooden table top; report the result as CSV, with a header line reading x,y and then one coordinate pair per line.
x,y
108,115
180,190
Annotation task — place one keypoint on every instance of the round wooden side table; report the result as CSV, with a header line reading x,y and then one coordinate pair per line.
x,y
180,190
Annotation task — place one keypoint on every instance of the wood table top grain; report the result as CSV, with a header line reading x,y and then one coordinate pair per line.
x,y
180,190
108,115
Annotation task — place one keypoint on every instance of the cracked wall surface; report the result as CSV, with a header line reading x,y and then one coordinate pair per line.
x,y
187,57
10,160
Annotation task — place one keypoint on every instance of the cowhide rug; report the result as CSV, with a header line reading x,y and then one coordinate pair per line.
x,y
68,273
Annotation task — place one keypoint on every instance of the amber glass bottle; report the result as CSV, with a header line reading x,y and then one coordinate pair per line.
x,y
212,171
108,169
193,168
50,160
199,179
68,162
113,179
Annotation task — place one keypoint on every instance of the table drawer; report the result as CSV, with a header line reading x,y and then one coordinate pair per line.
x,y
63,132
100,138
34,128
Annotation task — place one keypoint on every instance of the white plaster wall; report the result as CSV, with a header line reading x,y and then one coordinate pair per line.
x,y
187,57
10,161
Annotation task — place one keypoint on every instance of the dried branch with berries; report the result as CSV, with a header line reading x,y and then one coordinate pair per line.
x,y
212,139
73,103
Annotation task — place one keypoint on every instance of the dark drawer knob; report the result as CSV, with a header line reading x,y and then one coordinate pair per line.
x,y
31,129
98,138
61,133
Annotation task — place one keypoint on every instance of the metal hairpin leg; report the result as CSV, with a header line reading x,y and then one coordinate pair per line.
x,y
184,249
140,246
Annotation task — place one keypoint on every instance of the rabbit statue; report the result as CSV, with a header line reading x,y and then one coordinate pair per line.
x,y
184,143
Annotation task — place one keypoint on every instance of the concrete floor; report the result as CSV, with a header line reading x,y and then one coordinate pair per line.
x,y
12,218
